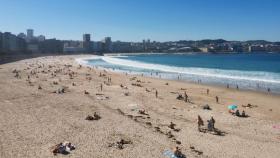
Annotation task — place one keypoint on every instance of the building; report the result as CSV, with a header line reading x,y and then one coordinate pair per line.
x,y
256,48
33,47
41,38
107,45
203,49
21,35
30,34
11,43
273,48
87,44
86,37
97,47
73,47
8,42
51,46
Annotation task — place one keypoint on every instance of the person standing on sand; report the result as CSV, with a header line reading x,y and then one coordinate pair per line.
x,y
207,91
186,97
101,87
217,99
199,123
156,93
213,122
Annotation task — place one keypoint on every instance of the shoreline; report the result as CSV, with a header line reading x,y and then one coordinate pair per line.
x,y
36,118
258,90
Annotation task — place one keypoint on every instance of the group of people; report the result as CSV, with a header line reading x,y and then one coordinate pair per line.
x,y
210,124
237,113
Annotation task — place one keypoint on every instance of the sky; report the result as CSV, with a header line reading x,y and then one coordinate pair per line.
x,y
135,20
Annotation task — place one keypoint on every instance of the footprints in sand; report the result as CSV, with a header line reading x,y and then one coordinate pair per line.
x,y
144,116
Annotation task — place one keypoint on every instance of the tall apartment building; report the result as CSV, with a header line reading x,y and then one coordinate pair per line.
x,y
87,44
107,42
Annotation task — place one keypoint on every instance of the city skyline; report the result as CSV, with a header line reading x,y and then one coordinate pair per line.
x,y
135,21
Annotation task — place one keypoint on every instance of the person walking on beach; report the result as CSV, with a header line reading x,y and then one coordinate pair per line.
x,y
199,123
156,93
207,91
227,86
186,97
217,99
213,122
101,86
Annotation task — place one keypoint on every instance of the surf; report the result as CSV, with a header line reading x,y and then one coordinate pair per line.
x,y
205,72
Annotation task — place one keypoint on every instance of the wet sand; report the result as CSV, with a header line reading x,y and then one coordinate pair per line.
x,y
33,119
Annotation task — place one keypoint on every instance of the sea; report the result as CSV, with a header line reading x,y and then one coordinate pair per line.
x,y
248,71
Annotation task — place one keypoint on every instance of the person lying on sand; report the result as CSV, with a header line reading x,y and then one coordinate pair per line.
x,y
63,148
180,97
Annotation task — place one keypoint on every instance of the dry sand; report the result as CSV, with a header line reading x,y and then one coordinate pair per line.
x,y
32,120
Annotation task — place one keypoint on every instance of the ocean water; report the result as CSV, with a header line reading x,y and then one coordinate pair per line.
x,y
251,71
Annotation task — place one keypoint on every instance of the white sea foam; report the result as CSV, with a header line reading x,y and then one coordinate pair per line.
x,y
257,76
85,60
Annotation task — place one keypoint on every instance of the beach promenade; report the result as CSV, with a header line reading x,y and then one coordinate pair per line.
x,y
48,100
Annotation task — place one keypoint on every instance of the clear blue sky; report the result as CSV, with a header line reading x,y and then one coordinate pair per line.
x,y
134,20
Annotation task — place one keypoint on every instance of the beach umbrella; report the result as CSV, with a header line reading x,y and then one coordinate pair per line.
x,y
232,107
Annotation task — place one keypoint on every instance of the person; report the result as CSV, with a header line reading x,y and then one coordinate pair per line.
x,y
217,99
210,125
199,123
243,114
237,87
213,122
227,85
231,111
186,97
156,93
268,90
237,113
207,91
101,86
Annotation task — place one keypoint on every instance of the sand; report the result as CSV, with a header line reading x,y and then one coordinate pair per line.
x,y
33,120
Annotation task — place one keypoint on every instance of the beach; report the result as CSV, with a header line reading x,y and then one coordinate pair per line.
x,y
45,101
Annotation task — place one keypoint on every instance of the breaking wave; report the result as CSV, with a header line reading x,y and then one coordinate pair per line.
x,y
216,73
253,80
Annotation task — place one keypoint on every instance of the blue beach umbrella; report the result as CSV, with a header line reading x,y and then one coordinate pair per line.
x,y
232,107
